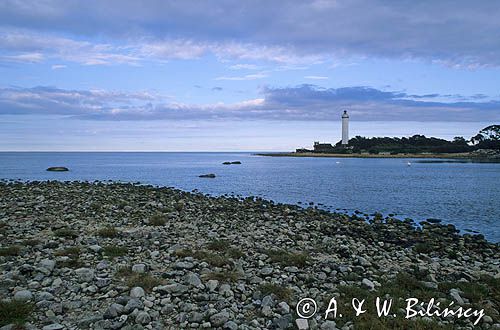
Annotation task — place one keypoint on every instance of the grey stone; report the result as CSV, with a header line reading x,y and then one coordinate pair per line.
x,y
55,326
266,271
212,285
302,324
195,317
137,292
284,322
142,318
193,280
85,274
184,265
23,295
230,325
219,319
174,288
48,264
114,310
139,268
44,295
367,283
283,308
131,305
454,293
267,311
95,248
329,325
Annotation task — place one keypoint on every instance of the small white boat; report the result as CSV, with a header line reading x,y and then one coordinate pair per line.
x,y
409,164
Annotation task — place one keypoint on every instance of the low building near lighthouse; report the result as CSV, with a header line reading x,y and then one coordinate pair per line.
x,y
341,147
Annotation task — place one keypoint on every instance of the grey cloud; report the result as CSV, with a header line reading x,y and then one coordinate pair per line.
x,y
452,32
299,103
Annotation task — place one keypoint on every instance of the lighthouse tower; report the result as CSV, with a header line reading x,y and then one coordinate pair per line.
x,y
345,128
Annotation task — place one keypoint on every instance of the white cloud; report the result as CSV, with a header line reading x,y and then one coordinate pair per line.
x,y
26,58
58,66
245,77
244,66
316,77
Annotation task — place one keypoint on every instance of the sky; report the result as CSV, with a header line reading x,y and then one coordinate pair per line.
x,y
242,75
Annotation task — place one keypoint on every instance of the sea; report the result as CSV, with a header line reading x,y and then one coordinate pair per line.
x,y
460,192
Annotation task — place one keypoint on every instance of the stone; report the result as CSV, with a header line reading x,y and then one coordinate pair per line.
x,y
193,280
454,293
230,325
184,265
267,311
102,265
84,274
55,326
57,282
219,319
114,310
174,288
195,317
266,271
48,264
329,325
95,248
302,324
267,301
283,322
133,304
139,268
210,176
142,318
283,308
23,295
44,295
137,292
367,283
57,169
212,285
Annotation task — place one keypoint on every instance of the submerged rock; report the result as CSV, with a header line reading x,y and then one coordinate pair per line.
x,y
57,169
210,175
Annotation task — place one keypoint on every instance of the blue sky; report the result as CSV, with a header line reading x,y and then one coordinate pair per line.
x,y
242,75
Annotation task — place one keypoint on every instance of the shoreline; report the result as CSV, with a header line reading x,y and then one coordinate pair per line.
x,y
326,155
159,257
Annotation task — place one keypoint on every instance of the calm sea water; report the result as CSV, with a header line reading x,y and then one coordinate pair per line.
x,y
466,194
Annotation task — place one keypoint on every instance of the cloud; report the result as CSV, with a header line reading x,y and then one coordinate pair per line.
x,y
299,103
217,89
245,77
244,66
23,58
58,66
34,47
316,77
456,33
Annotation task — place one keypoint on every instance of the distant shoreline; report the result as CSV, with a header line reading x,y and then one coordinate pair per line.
x,y
464,155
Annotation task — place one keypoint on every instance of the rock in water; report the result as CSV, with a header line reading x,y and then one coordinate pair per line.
x,y
210,175
58,169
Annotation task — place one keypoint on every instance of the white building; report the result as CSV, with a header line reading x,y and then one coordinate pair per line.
x,y
345,128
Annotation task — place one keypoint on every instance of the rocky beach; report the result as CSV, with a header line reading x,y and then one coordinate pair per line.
x,y
104,255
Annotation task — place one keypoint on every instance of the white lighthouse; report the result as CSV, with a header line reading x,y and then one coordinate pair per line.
x,y
345,128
